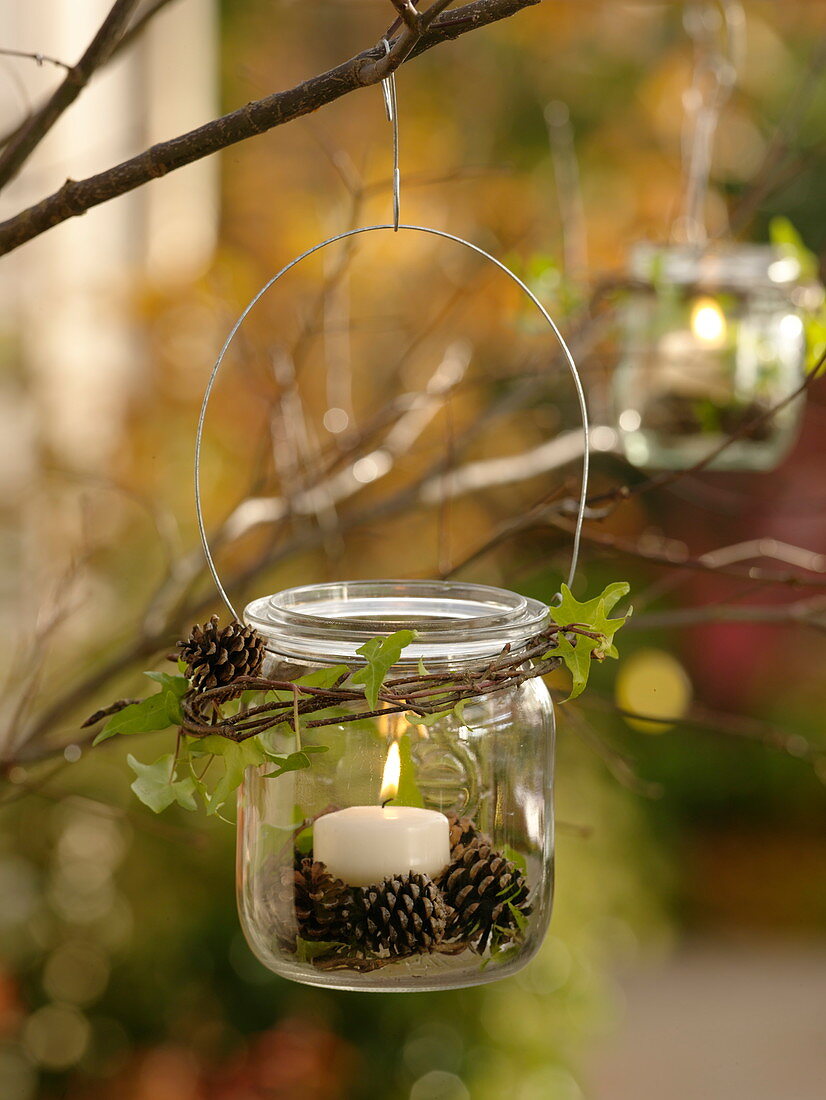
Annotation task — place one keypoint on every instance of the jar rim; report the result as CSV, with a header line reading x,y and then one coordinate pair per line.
x,y
454,621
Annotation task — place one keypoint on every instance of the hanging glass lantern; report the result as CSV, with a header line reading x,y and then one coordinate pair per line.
x,y
408,856
711,339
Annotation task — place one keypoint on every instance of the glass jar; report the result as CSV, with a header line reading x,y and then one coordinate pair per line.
x,y
710,340
406,856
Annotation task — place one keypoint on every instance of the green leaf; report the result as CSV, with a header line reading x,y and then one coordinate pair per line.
x,y
157,787
295,762
408,793
786,238
322,677
577,660
815,328
515,857
426,719
380,654
304,841
237,757
177,685
592,614
158,712
307,950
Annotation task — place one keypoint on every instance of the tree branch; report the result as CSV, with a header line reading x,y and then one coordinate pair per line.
x,y
810,612
75,197
29,136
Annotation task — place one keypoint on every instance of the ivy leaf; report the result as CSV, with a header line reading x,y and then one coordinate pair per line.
x,y
380,654
237,756
307,950
322,677
408,793
157,787
592,614
786,238
296,761
426,719
176,685
577,660
158,712
515,857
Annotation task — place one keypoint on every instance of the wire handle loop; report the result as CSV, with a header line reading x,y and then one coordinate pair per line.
x,y
391,107
566,352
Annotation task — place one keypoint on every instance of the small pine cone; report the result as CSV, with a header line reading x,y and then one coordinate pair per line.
x,y
215,656
405,915
463,832
483,888
307,900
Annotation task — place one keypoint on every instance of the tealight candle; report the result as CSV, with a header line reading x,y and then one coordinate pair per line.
x,y
363,845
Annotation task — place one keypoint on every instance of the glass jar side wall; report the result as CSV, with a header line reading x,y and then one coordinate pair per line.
x,y
475,920
700,363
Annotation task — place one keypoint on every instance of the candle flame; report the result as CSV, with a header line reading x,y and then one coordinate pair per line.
x,y
391,774
708,322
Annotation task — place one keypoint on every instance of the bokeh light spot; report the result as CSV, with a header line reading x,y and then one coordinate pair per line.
x,y
56,1036
76,973
653,682
438,1085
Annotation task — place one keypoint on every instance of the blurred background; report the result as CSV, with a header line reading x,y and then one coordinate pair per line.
x,y
393,410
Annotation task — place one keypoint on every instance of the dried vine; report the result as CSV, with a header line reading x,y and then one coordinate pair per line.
x,y
423,694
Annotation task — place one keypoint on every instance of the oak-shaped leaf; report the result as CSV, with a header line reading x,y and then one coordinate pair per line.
x,y
380,654
579,652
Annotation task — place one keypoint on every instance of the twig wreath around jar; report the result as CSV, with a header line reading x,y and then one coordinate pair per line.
x,y
391,743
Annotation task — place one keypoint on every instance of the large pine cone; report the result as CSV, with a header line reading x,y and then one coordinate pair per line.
x,y
309,901
463,831
484,888
405,915
215,656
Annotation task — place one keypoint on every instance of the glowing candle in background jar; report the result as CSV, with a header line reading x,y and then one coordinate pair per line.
x,y
363,845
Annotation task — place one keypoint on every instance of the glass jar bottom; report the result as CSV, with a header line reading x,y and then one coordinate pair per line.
x,y
652,450
417,974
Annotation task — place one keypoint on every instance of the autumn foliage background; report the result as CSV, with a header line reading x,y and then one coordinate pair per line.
x,y
123,970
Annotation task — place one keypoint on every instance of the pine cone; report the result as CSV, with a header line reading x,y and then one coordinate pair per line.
x,y
405,915
309,901
483,888
215,656
463,832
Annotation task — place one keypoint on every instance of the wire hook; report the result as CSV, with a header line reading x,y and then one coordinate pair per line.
x,y
717,30
391,107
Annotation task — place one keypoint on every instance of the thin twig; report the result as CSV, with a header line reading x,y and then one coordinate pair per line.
x,y
26,140
40,58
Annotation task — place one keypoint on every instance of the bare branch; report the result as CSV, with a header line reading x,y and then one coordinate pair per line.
x,y
408,14
75,197
26,140
810,613
723,724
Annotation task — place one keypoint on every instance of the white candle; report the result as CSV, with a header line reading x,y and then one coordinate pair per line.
x,y
363,845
